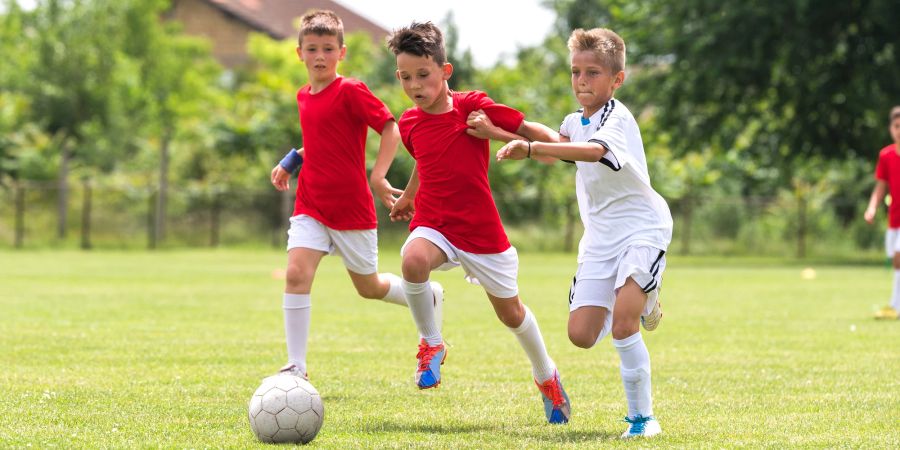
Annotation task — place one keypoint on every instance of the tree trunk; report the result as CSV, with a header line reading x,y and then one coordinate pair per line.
x,y
801,222
62,200
86,216
162,196
20,214
151,223
687,215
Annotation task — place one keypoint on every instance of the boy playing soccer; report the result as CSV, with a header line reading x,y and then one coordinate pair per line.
x,y
454,218
887,176
334,212
621,257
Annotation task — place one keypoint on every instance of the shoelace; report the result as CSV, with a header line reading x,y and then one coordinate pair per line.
x,y
637,424
426,354
551,389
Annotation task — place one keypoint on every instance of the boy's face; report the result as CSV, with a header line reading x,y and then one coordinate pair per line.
x,y
895,130
321,54
592,82
423,80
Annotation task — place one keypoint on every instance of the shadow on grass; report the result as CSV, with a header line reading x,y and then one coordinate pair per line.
x,y
552,434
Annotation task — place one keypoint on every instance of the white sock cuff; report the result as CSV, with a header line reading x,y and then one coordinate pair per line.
x,y
526,322
414,288
627,342
396,289
297,301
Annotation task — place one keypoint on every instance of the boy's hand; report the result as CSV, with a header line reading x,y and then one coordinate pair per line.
x,y
280,178
480,125
403,209
385,192
869,215
516,149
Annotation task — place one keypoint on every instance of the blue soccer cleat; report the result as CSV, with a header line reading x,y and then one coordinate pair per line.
x,y
556,402
639,426
428,374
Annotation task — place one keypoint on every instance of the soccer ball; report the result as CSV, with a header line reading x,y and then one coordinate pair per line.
x,y
286,408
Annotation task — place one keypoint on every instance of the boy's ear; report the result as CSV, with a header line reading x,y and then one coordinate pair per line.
x,y
447,70
299,53
397,73
620,78
343,53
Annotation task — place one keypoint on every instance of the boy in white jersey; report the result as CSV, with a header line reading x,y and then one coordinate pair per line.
x,y
628,227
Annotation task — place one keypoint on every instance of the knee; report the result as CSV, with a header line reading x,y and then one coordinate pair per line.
x,y
298,278
622,329
511,315
583,338
416,267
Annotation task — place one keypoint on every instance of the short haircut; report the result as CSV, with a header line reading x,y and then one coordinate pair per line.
x,y
321,22
605,43
420,39
895,113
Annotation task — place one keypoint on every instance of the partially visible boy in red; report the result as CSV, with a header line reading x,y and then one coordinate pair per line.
x,y
887,177
454,218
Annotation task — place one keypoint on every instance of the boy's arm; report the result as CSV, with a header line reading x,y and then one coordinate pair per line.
x,y
280,176
404,208
877,196
570,151
482,127
390,138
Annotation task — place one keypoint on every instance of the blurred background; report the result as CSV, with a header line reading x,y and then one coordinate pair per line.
x,y
155,123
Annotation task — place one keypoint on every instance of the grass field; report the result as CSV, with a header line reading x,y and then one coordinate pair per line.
x,y
164,349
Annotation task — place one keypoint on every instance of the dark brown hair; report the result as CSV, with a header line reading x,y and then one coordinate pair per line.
x,y
420,39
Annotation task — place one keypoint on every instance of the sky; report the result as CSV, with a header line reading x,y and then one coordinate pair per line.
x,y
492,29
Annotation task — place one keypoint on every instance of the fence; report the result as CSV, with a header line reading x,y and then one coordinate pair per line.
x,y
123,216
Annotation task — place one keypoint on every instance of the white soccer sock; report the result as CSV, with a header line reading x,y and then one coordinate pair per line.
x,y
529,336
895,297
420,299
635,370
395,293
297,312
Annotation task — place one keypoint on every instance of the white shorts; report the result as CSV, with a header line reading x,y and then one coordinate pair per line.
x,y
891,242
495,272
597,283
358,248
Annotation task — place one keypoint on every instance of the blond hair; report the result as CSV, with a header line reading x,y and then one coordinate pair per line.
x,y
604,43
321,22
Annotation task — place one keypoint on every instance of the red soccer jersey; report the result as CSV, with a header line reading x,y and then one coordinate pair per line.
x,y
888,170
454,195
332,186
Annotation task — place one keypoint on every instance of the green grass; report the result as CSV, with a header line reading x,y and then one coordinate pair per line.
x,y
118,349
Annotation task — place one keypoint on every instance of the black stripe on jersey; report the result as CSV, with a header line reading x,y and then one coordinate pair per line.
x,y
650,287
572,289
614,166
607,111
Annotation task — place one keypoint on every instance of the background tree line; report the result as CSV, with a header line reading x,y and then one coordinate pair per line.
x,y
761,120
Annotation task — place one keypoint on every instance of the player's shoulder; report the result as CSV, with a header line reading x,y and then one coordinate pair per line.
x,y
887,150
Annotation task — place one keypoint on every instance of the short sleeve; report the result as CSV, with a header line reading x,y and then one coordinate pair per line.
x,y
565,126
612,136
501,115
881,170
369,107
405,125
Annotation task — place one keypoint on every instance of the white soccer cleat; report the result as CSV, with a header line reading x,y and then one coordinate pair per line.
x,y
651,321
438,292
639,426
293,370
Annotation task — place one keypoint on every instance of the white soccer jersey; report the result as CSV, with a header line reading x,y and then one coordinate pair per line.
x,y
618,207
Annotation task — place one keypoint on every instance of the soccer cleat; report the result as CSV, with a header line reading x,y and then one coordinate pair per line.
x,y
651,321
556,402
438,292
428,374
292,369
887,313
639,426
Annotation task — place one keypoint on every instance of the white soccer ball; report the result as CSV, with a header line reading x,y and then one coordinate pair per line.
x,y
286,409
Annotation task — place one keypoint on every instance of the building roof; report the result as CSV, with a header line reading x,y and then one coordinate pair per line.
x,y
277,17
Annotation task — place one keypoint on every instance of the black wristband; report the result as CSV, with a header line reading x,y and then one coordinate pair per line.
x,y
529,150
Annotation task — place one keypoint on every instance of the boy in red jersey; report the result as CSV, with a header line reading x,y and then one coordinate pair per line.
x,y
454,221
334,212
887,176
